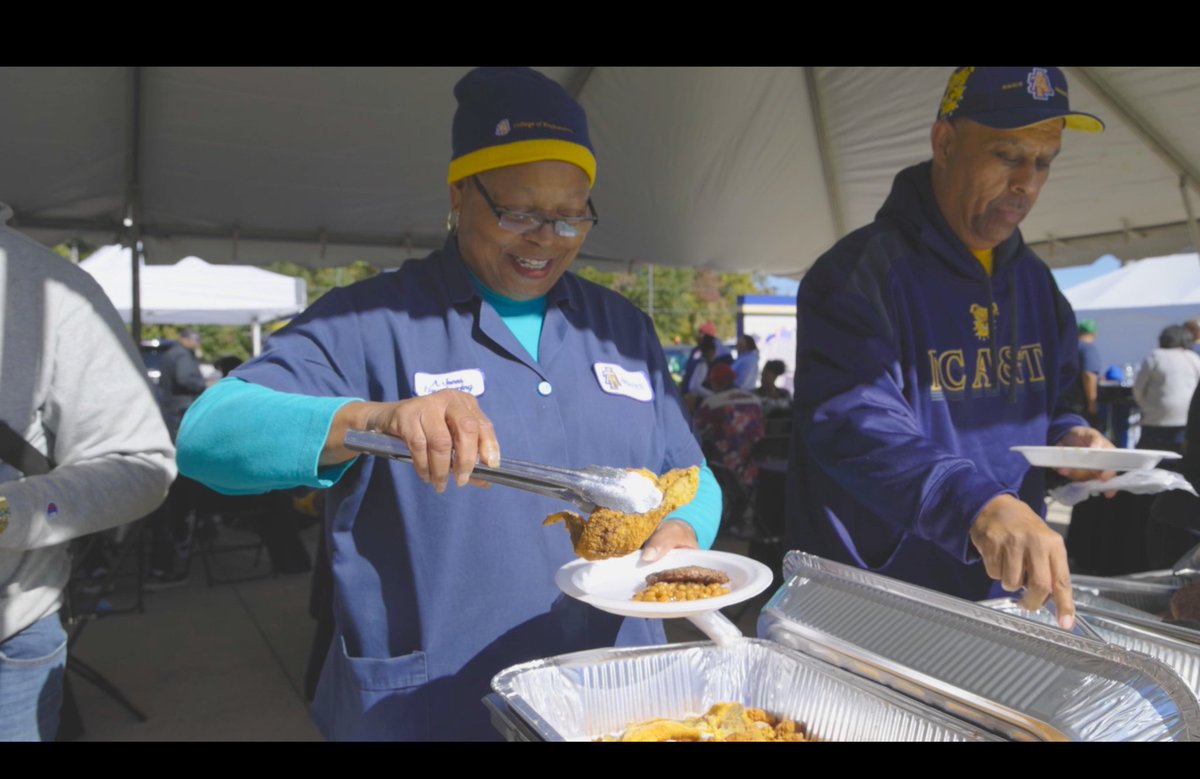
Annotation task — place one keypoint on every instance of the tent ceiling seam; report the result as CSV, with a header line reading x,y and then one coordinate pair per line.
x,y
832,190
1126,231
1148,133
1191,216
579,81
409,240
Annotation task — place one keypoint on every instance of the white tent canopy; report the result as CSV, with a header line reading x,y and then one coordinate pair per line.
x,y
1133,304
193,291
725,168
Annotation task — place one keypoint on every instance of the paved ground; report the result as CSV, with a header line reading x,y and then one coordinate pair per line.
x,y
205,663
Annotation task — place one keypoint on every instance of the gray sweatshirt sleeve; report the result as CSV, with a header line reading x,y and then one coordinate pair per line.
x,y
94,415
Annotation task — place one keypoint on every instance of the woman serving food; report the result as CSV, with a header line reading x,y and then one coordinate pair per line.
x,y
487,346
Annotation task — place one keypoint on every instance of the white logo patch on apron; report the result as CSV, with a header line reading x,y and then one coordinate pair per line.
x,y
615,380
469,380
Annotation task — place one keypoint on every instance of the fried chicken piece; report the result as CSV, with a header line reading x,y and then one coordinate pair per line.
x,y
756,734
790,730
608,533
759,715
1185,603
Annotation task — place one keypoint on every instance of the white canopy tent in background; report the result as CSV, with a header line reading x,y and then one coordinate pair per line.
x,y
724,168
193,291
1133,304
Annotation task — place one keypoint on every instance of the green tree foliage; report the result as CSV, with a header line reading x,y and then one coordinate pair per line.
x,y
321,280
684,298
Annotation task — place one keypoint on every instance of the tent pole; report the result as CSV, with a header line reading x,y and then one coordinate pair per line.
x,y
1191,216
650,290
256,336
133,211
135,257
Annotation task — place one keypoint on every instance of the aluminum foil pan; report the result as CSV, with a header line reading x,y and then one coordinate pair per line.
x,y
1112,598
1161,576
586,695
1016,677
1182,656
1152,595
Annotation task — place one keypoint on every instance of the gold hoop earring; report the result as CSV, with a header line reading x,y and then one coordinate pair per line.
x,y
452,220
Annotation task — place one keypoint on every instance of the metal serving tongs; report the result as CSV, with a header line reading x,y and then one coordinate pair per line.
x,y
587,488
1188,566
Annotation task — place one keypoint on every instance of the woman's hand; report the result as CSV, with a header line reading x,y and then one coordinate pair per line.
x,y
431,426
670,534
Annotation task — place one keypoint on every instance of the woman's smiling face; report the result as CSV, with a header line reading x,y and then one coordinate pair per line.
x,y
520,266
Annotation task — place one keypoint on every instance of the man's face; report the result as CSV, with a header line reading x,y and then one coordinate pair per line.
x,y
986,180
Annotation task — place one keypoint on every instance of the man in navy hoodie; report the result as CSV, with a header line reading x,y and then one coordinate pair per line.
x,y
931,341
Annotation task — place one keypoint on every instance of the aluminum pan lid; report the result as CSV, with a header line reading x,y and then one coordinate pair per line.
x,y
1019,678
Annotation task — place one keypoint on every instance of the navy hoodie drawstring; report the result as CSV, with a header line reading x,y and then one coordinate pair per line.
x,y
1012,352
1012,337
991,316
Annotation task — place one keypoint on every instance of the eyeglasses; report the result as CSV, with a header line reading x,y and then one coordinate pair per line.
x,y
520,222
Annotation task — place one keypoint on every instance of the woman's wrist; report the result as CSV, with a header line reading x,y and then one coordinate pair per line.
x,y
356,415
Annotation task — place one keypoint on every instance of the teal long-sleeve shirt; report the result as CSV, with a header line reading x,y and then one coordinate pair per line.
x,y
282,446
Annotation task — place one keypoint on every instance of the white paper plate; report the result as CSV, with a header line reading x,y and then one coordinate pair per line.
x,y
1093,459
609,585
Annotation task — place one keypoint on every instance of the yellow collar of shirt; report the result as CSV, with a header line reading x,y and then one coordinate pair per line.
x,y
985,259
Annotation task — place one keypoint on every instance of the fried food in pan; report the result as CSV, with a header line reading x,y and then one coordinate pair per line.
x,y
722,722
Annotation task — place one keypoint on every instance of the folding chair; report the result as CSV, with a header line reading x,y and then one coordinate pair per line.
x,y
766,508
88,597
206,534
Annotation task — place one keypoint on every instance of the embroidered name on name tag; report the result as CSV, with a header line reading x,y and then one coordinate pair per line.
x,y
615,380
469,380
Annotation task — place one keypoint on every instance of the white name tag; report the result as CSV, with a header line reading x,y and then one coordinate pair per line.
x,y
615,380
469,380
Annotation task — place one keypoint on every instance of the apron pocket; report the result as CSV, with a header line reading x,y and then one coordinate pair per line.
x,y
386,673
374,699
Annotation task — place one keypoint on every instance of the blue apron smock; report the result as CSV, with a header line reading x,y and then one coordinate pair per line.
x,y
437,593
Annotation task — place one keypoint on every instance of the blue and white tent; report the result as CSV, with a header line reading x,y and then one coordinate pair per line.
x,y
1133,304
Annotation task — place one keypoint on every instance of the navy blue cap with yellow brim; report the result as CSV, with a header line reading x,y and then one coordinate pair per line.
x,y
514,116
1012,98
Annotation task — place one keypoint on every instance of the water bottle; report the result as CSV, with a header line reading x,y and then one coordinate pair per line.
x,y
1129,375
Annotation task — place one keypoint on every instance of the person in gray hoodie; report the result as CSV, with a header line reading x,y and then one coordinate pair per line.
x,y
1164,387
85,450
